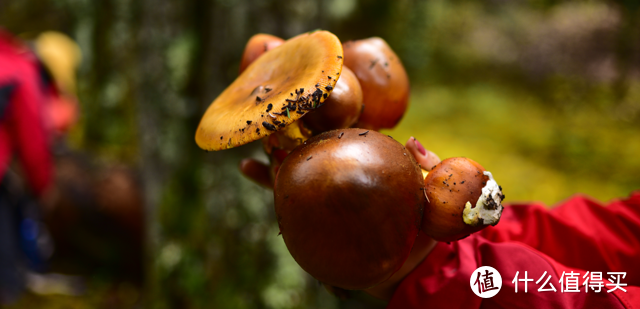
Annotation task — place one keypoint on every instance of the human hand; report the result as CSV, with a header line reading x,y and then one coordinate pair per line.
x,y
256,171
425,158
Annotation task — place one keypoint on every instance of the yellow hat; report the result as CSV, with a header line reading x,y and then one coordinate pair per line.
x,y
62,56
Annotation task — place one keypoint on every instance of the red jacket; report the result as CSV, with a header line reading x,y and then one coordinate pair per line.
x,y
579,235
23,97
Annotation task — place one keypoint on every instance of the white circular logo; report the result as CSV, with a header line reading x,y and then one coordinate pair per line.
x,y
486,281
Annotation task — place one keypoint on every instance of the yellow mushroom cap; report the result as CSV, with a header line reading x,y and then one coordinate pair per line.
x,y
274,91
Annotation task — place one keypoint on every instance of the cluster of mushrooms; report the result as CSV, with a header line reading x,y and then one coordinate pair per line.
x,y
349,200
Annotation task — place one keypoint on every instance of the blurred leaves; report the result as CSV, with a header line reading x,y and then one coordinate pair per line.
x,y
537,152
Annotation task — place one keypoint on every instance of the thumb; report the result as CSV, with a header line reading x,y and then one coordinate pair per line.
x,y
425,158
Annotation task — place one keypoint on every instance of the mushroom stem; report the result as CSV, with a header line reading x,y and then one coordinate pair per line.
x,y
488,208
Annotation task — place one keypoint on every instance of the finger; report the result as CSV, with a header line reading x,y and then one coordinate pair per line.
x,y
272,44
256,171
425,158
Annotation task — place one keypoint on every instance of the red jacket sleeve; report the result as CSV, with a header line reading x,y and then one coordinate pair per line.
x,y
22,125
442,280
577,236
30,138
578,233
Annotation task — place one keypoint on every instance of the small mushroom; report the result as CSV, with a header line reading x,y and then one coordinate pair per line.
x,y
349,208
463,199
342,108
273,92
384,81
256,46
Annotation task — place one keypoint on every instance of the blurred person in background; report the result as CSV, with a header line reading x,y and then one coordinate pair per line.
x,y
60,56
94,214
57,197
24,95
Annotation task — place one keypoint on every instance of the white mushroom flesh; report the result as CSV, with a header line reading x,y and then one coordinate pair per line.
x,y
488,207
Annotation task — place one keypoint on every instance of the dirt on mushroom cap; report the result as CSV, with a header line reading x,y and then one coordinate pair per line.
x,y
273,92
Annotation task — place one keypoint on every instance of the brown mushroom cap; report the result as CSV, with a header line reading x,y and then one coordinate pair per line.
x,y
292,75
384,81
349,204
450,185
343,107
256,46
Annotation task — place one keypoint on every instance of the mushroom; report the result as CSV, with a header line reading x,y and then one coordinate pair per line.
x,y
349,204
256,46
384,81
463,199
277,89
343,107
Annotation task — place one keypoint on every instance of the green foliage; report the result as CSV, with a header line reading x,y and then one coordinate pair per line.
x,y
536,151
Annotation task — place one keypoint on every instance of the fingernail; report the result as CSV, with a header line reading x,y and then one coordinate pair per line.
x,y
420,148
